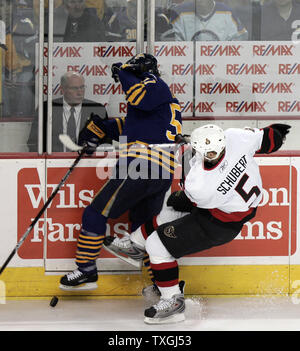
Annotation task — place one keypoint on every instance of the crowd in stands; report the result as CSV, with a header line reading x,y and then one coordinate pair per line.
x,y
116,21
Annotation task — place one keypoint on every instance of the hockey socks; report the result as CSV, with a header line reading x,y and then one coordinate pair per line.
x,y
166,278
90,240
147,265
88,249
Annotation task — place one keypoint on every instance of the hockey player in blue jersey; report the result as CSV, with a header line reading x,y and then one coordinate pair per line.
x,y
142,175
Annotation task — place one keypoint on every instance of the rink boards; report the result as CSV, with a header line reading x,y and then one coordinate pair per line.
x,y
263,259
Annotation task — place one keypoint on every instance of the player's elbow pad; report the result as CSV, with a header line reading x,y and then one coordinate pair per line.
x,y
272,141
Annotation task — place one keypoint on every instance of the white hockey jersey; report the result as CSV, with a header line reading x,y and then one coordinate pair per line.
x,y
234,185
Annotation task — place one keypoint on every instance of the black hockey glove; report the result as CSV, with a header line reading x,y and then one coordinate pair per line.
x,y
283,129
273,138
180,202
115,69
182,143
181,139
92,133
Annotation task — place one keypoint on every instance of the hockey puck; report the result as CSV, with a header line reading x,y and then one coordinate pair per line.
x,y
54,301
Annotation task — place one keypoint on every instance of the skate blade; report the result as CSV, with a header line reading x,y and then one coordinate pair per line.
x,y
176,318
135,263
82,287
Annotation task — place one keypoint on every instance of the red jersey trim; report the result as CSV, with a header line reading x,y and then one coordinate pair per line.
x,y
271,137
230,217
144,233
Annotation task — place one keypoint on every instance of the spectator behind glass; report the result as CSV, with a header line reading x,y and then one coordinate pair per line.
x,y
248,12
21,38
206,20
122,24
280,20
5,15
73,21
73,91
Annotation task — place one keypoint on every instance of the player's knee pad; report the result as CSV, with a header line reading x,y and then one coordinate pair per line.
x,y
157,251
93,222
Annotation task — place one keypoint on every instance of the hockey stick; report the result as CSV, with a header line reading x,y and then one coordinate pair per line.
x,y
19,244
68,143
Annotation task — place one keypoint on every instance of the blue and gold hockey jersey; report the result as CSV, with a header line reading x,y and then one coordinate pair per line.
x,y
153,117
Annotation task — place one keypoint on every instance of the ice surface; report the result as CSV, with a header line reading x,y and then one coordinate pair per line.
x,y
280,313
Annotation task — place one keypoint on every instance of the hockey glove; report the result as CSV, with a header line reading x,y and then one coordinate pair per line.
x,y
181,139
273,138
180,202
283,129
115,69
92,133
183,147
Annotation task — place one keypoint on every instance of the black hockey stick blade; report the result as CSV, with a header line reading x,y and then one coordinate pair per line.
x,y
51,197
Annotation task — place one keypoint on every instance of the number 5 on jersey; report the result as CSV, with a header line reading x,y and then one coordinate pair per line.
x,y
174,122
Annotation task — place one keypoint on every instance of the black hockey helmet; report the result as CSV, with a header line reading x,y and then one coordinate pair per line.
x,y
142,63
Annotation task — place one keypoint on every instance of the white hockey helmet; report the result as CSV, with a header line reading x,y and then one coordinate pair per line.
x,y
208,138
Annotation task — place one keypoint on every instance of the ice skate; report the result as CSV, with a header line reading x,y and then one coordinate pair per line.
x,y
125,249
167,310
78,280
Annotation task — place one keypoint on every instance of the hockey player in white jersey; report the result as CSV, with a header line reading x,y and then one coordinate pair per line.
x,y
221,192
